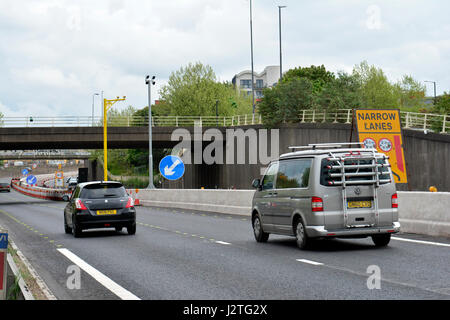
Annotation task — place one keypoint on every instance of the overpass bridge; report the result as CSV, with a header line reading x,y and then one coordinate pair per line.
x,y
5,155
427,153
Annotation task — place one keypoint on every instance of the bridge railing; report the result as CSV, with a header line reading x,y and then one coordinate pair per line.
x,y
412,120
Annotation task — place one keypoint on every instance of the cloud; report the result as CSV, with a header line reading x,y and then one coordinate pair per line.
x,y
54,54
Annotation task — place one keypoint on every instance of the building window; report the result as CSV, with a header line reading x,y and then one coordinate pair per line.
x,y
259,83
246,84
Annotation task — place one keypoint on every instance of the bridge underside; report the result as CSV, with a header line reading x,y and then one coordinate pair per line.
x,y
427,155
83,138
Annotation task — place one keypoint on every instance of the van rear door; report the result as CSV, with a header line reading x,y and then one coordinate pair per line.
x,y
355,199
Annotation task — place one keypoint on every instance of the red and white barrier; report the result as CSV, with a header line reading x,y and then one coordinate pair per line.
x,y
39,192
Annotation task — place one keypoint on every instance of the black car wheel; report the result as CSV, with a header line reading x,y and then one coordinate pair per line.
x,y
67,229
76,230
132,229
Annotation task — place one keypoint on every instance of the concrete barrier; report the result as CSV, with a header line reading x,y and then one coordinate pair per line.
x,y
221,201
425,212
419,212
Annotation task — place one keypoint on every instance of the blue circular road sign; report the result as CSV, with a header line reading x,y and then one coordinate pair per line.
x,y
171,167
24,172
31,180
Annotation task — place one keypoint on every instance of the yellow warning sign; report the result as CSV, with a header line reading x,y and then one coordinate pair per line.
x,y
381,129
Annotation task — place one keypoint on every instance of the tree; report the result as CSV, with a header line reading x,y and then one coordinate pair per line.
x,y
443,104
193,91
284,102
376,90
318,76
411,92
120,117
342,93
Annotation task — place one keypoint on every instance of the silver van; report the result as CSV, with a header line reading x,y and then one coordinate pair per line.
x,y
327,191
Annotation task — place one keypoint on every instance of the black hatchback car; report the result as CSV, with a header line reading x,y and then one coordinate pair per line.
x,y
99,204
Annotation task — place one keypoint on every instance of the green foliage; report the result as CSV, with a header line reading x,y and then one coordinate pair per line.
x,y
442,105
376,90
120,117
341,93
193,91
411,93
14,290
318,76
283,102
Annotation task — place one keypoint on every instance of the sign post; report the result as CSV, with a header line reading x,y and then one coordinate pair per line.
x,y
381,129
3,263
59,179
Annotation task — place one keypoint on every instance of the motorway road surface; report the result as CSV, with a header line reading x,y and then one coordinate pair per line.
x,y
181,254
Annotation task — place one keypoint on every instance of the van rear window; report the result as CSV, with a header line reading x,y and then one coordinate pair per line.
x,y
325,178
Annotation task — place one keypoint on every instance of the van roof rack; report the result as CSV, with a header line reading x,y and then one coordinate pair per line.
x,y
314,146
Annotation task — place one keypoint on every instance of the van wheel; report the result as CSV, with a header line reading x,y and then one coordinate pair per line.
x,y
258,231
381,240
300,235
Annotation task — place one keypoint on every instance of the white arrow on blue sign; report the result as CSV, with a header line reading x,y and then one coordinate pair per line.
x,y
171,167
24,172
31,180
3,240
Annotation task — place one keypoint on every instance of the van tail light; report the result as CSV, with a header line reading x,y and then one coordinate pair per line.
x,y
130,203
394,200
316,204
80,205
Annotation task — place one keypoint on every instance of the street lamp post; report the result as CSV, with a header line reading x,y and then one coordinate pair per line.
x,y
434,83
281,57
253,74
93,96
149,82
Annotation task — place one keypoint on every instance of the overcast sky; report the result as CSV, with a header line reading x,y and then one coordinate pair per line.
x,y
54,54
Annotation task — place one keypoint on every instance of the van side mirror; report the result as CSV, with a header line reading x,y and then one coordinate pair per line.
x,y
65,198
256,183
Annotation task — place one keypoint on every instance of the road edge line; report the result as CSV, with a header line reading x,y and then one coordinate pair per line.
x,y
42,285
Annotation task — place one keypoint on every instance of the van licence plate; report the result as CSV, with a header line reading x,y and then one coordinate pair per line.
x,y
106,212
359,204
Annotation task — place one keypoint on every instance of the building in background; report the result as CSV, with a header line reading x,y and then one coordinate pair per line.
x,y
266,79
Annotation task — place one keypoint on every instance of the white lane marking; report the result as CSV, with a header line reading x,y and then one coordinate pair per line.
x,y
422,242
223,242
119,291
315,263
